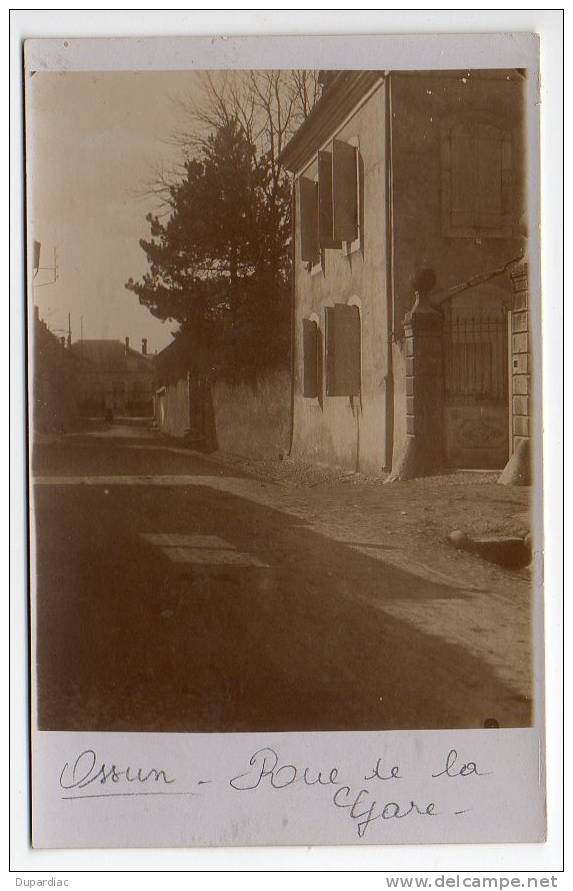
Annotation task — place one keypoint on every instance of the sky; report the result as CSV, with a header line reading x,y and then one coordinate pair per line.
x,y
93,140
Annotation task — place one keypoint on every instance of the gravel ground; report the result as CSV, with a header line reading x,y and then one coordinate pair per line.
x,y
435,505
406,524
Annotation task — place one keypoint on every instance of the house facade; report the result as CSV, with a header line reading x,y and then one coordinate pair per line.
x,y
410,322
114,378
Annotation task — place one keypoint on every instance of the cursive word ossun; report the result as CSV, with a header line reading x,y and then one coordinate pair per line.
x,y
86,770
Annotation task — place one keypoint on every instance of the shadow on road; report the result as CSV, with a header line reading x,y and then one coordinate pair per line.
x,y
130,640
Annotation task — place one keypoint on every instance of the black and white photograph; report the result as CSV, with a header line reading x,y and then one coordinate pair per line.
x,y
285,463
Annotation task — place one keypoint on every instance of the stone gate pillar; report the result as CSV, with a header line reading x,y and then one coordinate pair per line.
x,y
517,471
423,326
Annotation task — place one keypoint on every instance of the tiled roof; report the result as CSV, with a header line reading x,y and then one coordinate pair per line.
x,y
106,354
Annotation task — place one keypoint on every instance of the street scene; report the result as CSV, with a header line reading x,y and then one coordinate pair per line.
x,y
282,421
177,593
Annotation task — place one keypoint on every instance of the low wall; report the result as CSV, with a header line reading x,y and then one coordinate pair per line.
x,y
253,421
242,419
172,409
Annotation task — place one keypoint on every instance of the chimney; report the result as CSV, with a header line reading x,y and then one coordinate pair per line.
x,y
126,345
144,345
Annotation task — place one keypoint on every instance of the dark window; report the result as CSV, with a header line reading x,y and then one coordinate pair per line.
x,y
345,191
342,350
325,202
308,212
310,358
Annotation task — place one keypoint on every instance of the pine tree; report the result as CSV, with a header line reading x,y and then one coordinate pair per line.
x,y
219,261
214,257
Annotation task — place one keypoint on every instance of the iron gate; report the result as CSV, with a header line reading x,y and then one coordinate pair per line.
x,y
476,389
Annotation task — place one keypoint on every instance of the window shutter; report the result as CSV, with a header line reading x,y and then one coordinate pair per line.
x,y
345,191
308,219
477,179
342,350
325,221
310,358
464,180
492,195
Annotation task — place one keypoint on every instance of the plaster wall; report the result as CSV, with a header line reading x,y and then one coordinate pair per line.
x,y
344,431
253,420
423,106
172,408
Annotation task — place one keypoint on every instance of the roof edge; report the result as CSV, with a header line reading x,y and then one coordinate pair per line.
x,y
344,91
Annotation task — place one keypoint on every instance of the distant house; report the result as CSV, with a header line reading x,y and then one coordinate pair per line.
x,y
113,377
408,184
54,369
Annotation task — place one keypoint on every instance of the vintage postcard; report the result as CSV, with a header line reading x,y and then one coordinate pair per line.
x,y
284,319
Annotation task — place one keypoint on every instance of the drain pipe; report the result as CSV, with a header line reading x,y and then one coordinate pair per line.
x,y
389,373
292,310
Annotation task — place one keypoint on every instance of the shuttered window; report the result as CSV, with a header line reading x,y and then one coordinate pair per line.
x,y
345,191
342,350
310,358
329,208
476,180
325,202
308,205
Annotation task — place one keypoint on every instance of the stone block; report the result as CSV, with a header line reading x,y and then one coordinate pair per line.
x,y
520,300
520,363
410,405
519,277
519,343
409,386
410,425
520,426
519,321
520,384
521,405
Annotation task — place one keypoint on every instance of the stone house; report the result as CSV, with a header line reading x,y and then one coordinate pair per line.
x,y
410,325
114,378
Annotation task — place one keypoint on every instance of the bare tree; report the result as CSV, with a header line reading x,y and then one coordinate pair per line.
x,y
269,106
